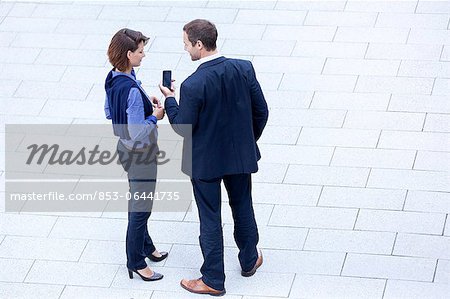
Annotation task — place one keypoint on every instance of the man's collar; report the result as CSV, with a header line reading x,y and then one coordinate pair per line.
x,y
209,58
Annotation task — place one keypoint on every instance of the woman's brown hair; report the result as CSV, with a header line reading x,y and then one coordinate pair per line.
x,y
123,41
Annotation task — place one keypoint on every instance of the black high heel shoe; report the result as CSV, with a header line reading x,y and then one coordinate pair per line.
x,y
163,256
155,276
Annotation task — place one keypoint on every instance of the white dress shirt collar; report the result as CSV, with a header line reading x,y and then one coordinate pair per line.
x,y
209,58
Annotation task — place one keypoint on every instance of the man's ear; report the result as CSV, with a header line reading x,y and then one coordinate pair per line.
x,y
199,44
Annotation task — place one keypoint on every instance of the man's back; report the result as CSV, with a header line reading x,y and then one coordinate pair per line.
x,y
225,105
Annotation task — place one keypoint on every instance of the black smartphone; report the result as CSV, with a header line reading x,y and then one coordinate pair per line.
x,y
167,79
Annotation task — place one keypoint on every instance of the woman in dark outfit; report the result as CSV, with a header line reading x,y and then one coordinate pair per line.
x,y
134,116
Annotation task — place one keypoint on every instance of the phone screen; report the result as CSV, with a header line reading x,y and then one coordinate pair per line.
x,y
167,79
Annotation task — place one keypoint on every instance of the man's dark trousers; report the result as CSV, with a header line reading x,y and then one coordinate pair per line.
x,y
208,198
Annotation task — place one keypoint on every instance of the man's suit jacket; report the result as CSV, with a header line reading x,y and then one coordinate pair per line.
x,y
223,102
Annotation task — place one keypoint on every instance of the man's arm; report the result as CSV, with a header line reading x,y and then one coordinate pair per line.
x,y
260,112
185,113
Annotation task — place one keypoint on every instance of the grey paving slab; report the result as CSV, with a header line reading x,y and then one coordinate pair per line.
x,y
288,64
47,73
412,20
280,135
5,8
307,118
445,56
398,221
325,18
409,179
67,11
315,286
6,38
297,33
371,35
256,47
270,173
351,101
415,141
30,290
313,217
216,15
17,269
285,17
335,66
89,228
22,9
47,40
42,248
8,88
324,175
441,87
337,83
53,90
338,137
285,194
350,241
391,267
290,99
414,68
384,120
73,292
353,166
38,25
67,26
412,289
437,123
15,105
123,12
419,103
9,55
298,154
375,158
394,85
406,51
26,225
382,199
178,4
243,4
443,272
74,57
330,49
429,36
311,5
422,246
73,273
422,201
184,294
382,6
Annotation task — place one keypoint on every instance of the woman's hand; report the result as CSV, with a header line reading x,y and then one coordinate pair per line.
x,y
155,102
158,112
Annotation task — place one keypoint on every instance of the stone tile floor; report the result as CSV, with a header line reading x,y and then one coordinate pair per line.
x,y
353,193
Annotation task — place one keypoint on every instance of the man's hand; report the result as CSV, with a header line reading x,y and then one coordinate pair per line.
x,y
158,112
166,91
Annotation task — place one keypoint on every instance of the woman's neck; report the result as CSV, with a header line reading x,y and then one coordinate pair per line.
x,y
127,71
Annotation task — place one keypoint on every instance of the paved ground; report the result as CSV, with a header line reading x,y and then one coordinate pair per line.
x,y
353,194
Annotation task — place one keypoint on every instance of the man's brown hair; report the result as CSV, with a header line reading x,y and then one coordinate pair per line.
x,y
123,41
202,30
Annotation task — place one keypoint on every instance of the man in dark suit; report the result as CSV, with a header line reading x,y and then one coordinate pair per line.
x,y
224,104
